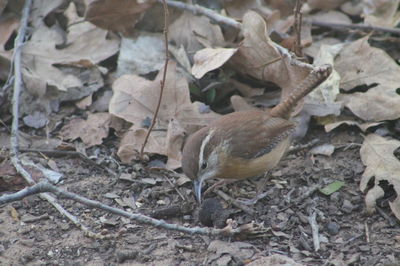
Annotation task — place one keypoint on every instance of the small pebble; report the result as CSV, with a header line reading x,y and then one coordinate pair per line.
x,y
332,228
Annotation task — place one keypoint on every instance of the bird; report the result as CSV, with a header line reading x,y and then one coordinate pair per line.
x,y
245,144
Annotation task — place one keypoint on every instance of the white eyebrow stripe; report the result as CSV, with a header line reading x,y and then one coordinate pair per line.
x,y
202,147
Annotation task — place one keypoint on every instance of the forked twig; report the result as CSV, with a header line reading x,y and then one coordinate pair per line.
x,y
249,230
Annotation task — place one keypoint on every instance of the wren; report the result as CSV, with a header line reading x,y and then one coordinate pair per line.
x,y
245,144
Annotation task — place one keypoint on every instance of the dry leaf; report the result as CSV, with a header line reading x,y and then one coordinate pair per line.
x,y
331,17
360,64
59,66
195,32
132,141
240,104
120,16
381,165
135,100
92,131
260,58
363,126
382,13
174,140
322,100
142,54
8,25
326,149
209,59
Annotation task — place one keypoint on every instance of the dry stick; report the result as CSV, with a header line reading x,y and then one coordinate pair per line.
x,y
312,219
361,27
297,27
366,232
166,15
15,123
234,202
205,11
42,187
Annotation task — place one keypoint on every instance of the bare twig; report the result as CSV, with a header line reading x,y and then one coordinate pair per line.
x,y
361,27
366,232
297,28
42,187
70,153
166,15
234,202
312,219
307,145
206,12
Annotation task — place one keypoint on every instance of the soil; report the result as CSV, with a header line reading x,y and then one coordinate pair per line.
x,y
33,233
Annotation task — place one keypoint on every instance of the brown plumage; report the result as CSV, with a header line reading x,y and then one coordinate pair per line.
x,y
244,144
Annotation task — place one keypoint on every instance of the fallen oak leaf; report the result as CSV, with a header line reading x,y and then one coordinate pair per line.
x,y
360,64
381,165
92,131
135,100
259,57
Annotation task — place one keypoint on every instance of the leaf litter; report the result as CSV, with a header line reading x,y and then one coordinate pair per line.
x,y
78,51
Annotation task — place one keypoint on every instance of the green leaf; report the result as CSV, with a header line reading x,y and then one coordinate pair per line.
x,y
332,187
211,94
195,90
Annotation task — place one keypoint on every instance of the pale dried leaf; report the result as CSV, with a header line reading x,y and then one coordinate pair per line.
x,y
193,32
36,119
360,64
174,139
135,100
85,102
322,100
240,104
381,165
133,139
326,149
382,13
91,131
209,59
331,17
142,54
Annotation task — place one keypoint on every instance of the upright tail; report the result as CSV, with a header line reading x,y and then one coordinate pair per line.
x,y
316,77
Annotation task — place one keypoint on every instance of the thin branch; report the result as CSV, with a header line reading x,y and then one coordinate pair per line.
x,y
247,229
297,27
312,219
362,27
15,122
166,16
196,9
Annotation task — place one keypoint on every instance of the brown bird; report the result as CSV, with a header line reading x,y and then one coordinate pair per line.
x,y
245,144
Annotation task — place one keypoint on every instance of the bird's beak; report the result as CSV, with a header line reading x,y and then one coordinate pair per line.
x,y
197,189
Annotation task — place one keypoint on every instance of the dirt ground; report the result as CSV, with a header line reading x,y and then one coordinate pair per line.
x,y
39,235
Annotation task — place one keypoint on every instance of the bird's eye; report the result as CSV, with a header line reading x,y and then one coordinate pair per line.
x,y
203,165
